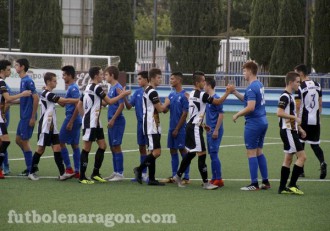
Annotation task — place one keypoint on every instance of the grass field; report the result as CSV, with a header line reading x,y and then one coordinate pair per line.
x,y
227,208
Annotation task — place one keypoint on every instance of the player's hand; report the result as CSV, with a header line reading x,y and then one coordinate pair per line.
x,y
32,122
69,126
111,123
235,117
207,128
175,133
26,93
230,88
126,92
298,120
215,134
302,132
118,90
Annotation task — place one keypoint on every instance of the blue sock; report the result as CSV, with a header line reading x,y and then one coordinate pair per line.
x,y
5,160
28,160
174,163
215,166
120,162
142,158
262,162
76,159
253,166
65,157
186,173
114,162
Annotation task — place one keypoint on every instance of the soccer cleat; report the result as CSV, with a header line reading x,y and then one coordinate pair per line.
x,y
286,191
145,177
209,186
155,183
6,169
65,176
212,181
178,180
138,175
218,183
323,170
69,171
24,173
33,176
302,174
251,187
1,174
86,181
111,176
296,190
168,180
76,175
98,178
117,177
265,185
185,180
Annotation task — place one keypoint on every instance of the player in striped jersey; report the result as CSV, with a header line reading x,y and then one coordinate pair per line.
x,y
289,128
48,134
90,106
309,109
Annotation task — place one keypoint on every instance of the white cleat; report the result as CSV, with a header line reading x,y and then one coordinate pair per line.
x,y
111,176
209,186
66,176
33,176
117,177
178,180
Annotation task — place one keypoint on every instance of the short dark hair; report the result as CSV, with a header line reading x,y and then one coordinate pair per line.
x,y
251,66
69,70
197,76
48,76
177,74
211,82
153,72
4,63
303,68
24,62
144,74
290,77
94,71
113,70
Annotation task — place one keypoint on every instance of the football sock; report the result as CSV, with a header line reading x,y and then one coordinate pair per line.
x,y
215,165
66,158
262,162
3,148
175,163
5,158
59,162
142,158
253,166
114,162
120,162
146,162
35,162
285,172
83,164
152,168
76,158
295,174
99,156
318,152
28,159
186,173
2,157
202,167
185,163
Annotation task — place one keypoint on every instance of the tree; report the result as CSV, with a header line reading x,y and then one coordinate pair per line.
x,y
41,29
144,26
113,31
264,14
240,14
288,52
4,24
321,36
190,18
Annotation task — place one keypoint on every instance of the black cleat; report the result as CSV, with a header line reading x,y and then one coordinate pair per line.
x,y
302,174
155,183
323,170
138,175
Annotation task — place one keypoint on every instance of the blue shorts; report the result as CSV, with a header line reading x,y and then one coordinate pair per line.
x,y
214,144
24,130
141,138
115,134
70,137
179,142
254,135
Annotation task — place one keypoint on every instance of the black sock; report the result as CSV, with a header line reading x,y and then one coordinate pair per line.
x,y
3,149
83,164
59,162
2,157
146,162
152,168
35,162
202,167
99,156
295,174
318,152
185,163
285,173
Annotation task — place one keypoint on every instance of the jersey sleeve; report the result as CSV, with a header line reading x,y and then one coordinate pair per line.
x,y
99,92
31,86
153,96
283,102
206,98
3,87
251,95
52,97
133,98
75,93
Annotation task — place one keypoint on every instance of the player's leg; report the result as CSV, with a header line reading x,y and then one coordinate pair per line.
x,y
99,156
88,138
285,173
213,146
4,145
262,161
23,135
65,137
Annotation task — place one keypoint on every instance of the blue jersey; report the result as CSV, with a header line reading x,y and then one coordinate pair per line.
x,y
255,91
178,104
72,92
136,101
113,107
26,103
212,113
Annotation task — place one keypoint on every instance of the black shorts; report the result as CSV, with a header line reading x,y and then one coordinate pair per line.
x,y
3,129
153,141
194,138
291,141
48,139
312,134
93,134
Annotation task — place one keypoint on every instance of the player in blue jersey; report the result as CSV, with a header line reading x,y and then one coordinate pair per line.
x,y
28,113
116,124
214,119
256,125
70,130
136,101
178,107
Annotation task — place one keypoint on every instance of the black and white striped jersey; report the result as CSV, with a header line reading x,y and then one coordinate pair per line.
x,y
309,94
151,122
92,103
197,106
47,121
288,104
3,89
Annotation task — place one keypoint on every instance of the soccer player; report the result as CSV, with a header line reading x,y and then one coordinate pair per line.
x,y
136,101
151,127
214,119
309,111
289,128
70,130
179,107
90,103
28,113
256,125
47,129
6,98
195,143
116,124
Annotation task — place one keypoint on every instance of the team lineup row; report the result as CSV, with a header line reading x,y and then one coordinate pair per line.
x,y
190,113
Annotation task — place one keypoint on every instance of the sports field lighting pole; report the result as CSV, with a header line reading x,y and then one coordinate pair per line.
x,y
154,34
228,37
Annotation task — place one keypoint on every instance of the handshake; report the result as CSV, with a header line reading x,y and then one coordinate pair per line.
x,y
230,88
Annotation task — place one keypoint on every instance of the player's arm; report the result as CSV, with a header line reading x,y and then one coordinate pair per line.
x,y
35,97
238,95
123,94
283,102
80,107
73,118
251,104
320,105
166,105
229,89
217,126
67,100
127,104
115,116
10,98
